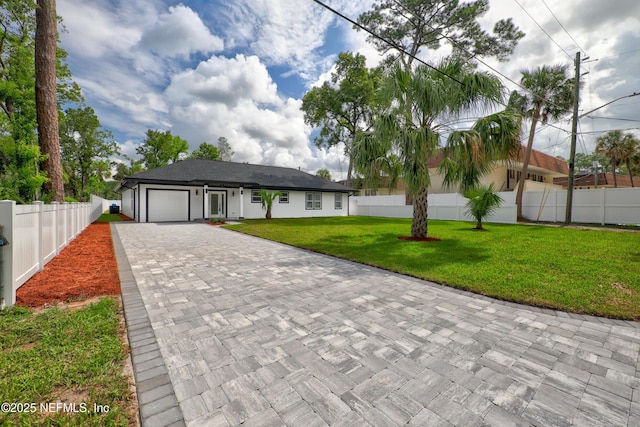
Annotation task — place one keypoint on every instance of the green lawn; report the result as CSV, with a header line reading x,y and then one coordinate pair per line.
x,y
107,217
582,271
63,356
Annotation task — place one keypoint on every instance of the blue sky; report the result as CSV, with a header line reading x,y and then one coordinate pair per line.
x,y
239,68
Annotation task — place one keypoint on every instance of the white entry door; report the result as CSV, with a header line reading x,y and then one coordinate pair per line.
x,y
216,204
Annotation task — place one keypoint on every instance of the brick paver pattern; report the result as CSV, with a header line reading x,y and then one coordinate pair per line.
x,y
257,333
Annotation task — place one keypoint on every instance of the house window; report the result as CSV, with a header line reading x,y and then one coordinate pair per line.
x,y
284,197
255,196
313,201
338,200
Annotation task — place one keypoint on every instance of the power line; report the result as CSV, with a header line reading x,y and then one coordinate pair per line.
x,y
609,130
543,30
390,43
401,50
471,55
562,26
618,54
613,118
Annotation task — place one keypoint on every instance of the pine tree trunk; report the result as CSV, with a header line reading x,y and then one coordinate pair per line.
x,y
419,224
46,96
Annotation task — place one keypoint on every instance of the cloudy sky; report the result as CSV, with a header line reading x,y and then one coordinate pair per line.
x,y
239,68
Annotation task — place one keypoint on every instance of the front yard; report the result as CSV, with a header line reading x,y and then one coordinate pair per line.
x,y
582,271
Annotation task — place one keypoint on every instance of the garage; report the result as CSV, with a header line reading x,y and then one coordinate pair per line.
x,y
167,205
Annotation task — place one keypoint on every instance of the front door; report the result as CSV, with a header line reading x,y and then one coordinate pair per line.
x,y
216,203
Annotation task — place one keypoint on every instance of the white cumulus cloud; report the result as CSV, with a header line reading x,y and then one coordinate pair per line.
x,y
180,33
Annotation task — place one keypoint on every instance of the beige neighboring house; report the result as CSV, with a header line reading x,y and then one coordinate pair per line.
x,y
543,169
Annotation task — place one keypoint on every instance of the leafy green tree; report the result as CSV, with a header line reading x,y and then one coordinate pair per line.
x,y
267,200
618,149
483,201
21,177
87,150
324,174
415,25
584,162
550,93
161,148
346,106
411,129
225,153
123,169
205,151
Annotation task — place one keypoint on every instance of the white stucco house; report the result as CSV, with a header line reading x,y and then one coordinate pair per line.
x,y
196,189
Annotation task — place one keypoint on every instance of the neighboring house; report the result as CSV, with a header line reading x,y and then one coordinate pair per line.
x,y
196,189
602,180
543,170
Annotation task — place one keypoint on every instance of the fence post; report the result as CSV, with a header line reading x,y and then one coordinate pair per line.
x,y
55,206
7,282
603,206
40,207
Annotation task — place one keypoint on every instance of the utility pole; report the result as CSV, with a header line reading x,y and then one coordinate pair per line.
x,y
574,135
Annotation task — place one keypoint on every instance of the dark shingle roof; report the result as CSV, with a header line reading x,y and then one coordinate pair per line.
x,y
227,174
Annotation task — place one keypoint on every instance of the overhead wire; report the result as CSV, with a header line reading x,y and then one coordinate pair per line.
x,y
455,43
403,51
389,42
562,26
543,30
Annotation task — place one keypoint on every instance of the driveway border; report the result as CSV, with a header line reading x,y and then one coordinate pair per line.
x,y
157,402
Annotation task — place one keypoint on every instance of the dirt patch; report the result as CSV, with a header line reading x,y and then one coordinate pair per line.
x,y
84,269
419,239
625,289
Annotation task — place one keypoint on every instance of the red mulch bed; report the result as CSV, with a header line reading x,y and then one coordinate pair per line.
x,y
419,239
85,268
125,218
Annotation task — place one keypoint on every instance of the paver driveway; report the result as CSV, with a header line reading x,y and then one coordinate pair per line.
x,y
249,331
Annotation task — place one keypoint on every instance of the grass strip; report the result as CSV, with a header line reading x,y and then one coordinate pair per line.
x,y
64,367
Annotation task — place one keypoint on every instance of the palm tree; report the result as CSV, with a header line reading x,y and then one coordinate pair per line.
x,y
549,96
267,200
483,201
631,154
618,148
424,99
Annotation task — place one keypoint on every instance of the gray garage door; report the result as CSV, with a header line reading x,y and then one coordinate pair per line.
x,y
167,205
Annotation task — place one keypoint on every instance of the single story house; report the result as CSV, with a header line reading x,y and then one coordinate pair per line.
x,y
196,189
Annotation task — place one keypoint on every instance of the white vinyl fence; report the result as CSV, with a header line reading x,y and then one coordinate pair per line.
x,y
36,233
100,205
595,206
451,206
